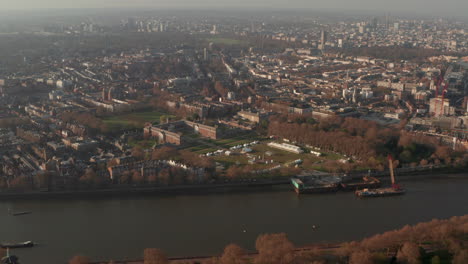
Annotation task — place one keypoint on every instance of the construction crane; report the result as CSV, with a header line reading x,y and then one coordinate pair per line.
x,y
444,91
438,82
392,173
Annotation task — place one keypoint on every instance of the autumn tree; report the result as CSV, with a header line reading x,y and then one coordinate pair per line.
x,y
233,172
409,253
154,256
21,182
152,179
435,260
138,153
361,257
90,177
42,179
423,162
112,162
347,248
165,153
125,177
274,249
137,177
164,176
233,254
460,257
212,260
79,260
443,153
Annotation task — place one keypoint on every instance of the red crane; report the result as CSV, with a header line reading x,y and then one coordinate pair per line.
x,y
392,173
444,91
438,82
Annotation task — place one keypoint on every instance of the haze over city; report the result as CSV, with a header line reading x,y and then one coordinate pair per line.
x,y
428,7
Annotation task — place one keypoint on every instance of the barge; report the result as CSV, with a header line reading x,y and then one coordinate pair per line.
x,y
315,184
367,182
395,189
27,244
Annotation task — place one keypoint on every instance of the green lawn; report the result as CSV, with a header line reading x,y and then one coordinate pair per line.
x,y
144,144
133,120
234,141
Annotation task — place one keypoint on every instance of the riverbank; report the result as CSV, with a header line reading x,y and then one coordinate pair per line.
x,y
252,185
418,242
314,248
165,190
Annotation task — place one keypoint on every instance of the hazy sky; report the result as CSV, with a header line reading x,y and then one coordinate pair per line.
x,y
442,7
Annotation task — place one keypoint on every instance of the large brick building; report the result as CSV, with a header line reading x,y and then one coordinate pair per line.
x,y
173,132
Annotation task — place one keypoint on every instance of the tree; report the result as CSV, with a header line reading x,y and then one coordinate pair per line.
x,y
409,253
435,260
423,162
461,257
42,179
163,119
361,257
274,249
154,256
152,179
213,260
165,153
137,177
92,178
164,176
125,178
347,248
233,254
21,182
138,153
233,172
112,162
79,260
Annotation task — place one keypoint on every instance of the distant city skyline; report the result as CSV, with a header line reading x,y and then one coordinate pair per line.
x,y
443,8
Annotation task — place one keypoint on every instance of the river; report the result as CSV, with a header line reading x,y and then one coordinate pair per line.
x,y
120,228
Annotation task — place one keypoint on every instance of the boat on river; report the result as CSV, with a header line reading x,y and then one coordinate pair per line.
x,y
20,213
395,189
315,184
27,244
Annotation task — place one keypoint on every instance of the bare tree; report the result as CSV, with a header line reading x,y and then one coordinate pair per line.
x,y
79,260
137,177
138,153
233,254
213,260
461,257
361,257
274,249
155,256
435,260
409,253
347,248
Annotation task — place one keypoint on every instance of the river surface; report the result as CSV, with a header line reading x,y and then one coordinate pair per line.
x,y
120,228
